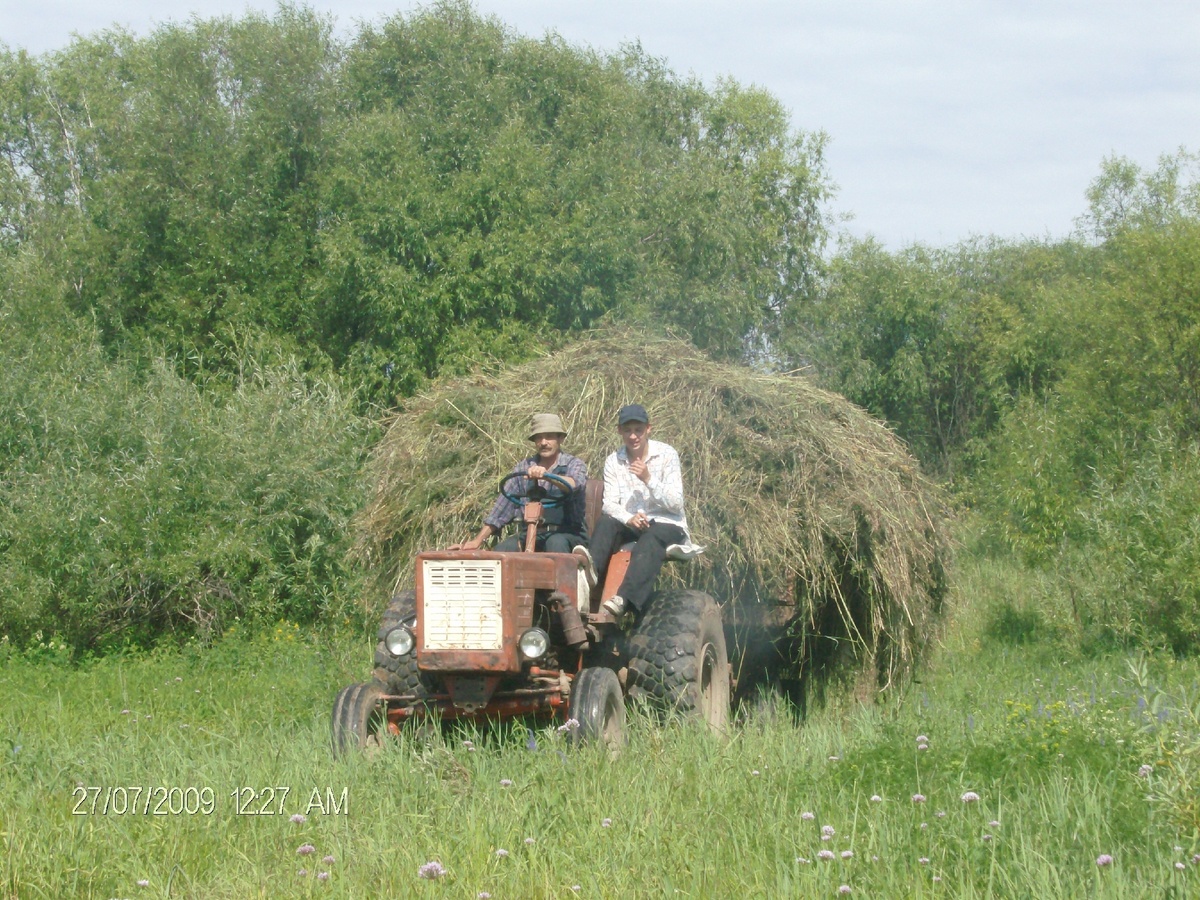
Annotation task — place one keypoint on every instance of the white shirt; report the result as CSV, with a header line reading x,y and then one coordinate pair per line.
x,y
661,499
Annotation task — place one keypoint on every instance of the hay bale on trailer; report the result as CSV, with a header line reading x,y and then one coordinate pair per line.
x,y
826,545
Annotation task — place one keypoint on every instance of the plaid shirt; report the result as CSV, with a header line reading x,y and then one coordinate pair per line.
x,y
568,466
661,499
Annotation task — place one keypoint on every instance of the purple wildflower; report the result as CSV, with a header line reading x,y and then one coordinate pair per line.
x,y
303,873
924,860
875,798
755,773
328,860
987,838
571,725
1145,770
918,798
941,814
995,823
924,825
501,853
827,830
530,841
606,823
844,889
970,797
298,818
1104,860
803,861
305,850
431,870
825,855
143,882
922,739
847,854
834,758
322,876
1180,866
505,782
807,816
483,895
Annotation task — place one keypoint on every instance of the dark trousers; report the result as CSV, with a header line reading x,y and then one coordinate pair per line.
x,y
648,555
547,542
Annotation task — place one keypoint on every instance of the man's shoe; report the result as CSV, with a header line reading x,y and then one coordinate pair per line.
x,y
589,568
615,605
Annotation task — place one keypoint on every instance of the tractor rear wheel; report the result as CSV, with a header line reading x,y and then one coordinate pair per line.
x,y
399,675
599,707
678,660
359,722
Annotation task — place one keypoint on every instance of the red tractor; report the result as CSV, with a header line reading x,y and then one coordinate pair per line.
x,y
490,636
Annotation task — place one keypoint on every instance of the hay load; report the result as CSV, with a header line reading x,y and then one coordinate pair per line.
x,y
825,543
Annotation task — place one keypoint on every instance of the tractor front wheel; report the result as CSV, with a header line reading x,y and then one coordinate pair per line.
x,y
599,707
359,722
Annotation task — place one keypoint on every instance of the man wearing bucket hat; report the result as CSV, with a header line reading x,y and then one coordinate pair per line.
x,y
562,527
643,502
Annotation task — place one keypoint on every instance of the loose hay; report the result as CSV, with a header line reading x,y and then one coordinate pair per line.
x,y
820,529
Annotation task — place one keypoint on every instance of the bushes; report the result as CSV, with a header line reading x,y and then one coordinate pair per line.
x,y
1146,535
134,504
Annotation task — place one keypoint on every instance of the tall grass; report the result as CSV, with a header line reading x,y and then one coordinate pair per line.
x,y
1053,747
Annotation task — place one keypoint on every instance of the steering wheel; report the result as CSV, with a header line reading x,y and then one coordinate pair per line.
x,y
533,489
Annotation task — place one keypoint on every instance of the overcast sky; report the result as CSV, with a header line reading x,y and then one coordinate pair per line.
x,y
947,118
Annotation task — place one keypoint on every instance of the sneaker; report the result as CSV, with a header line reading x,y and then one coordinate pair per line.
x,y
615,605
589,568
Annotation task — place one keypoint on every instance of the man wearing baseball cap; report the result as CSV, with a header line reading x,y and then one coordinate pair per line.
x,y
643,502
562,527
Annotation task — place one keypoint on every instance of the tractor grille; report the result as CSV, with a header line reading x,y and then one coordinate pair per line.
x,y
462,600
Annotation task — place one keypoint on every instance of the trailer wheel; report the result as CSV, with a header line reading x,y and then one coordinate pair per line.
x,y
359,722
400,676
599,707
678,659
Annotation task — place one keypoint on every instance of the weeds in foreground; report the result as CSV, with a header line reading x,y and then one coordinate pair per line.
x,y
1002,773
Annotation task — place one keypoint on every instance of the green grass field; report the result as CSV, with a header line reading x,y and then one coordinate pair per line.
x,y
1004,771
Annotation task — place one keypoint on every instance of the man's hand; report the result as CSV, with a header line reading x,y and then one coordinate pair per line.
x,y
638,468
537,471
639,522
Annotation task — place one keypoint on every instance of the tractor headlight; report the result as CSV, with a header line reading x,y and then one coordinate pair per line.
x,y
399,641
534,643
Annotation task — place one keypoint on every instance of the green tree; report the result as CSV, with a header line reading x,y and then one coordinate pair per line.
x,y
940,342
1123,196
494,192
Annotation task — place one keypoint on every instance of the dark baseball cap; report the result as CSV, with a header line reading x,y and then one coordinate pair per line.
x,y
633,412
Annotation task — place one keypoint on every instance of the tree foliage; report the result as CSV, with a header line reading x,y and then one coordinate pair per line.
x,y
223,243
1058,383
940,342
434,191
